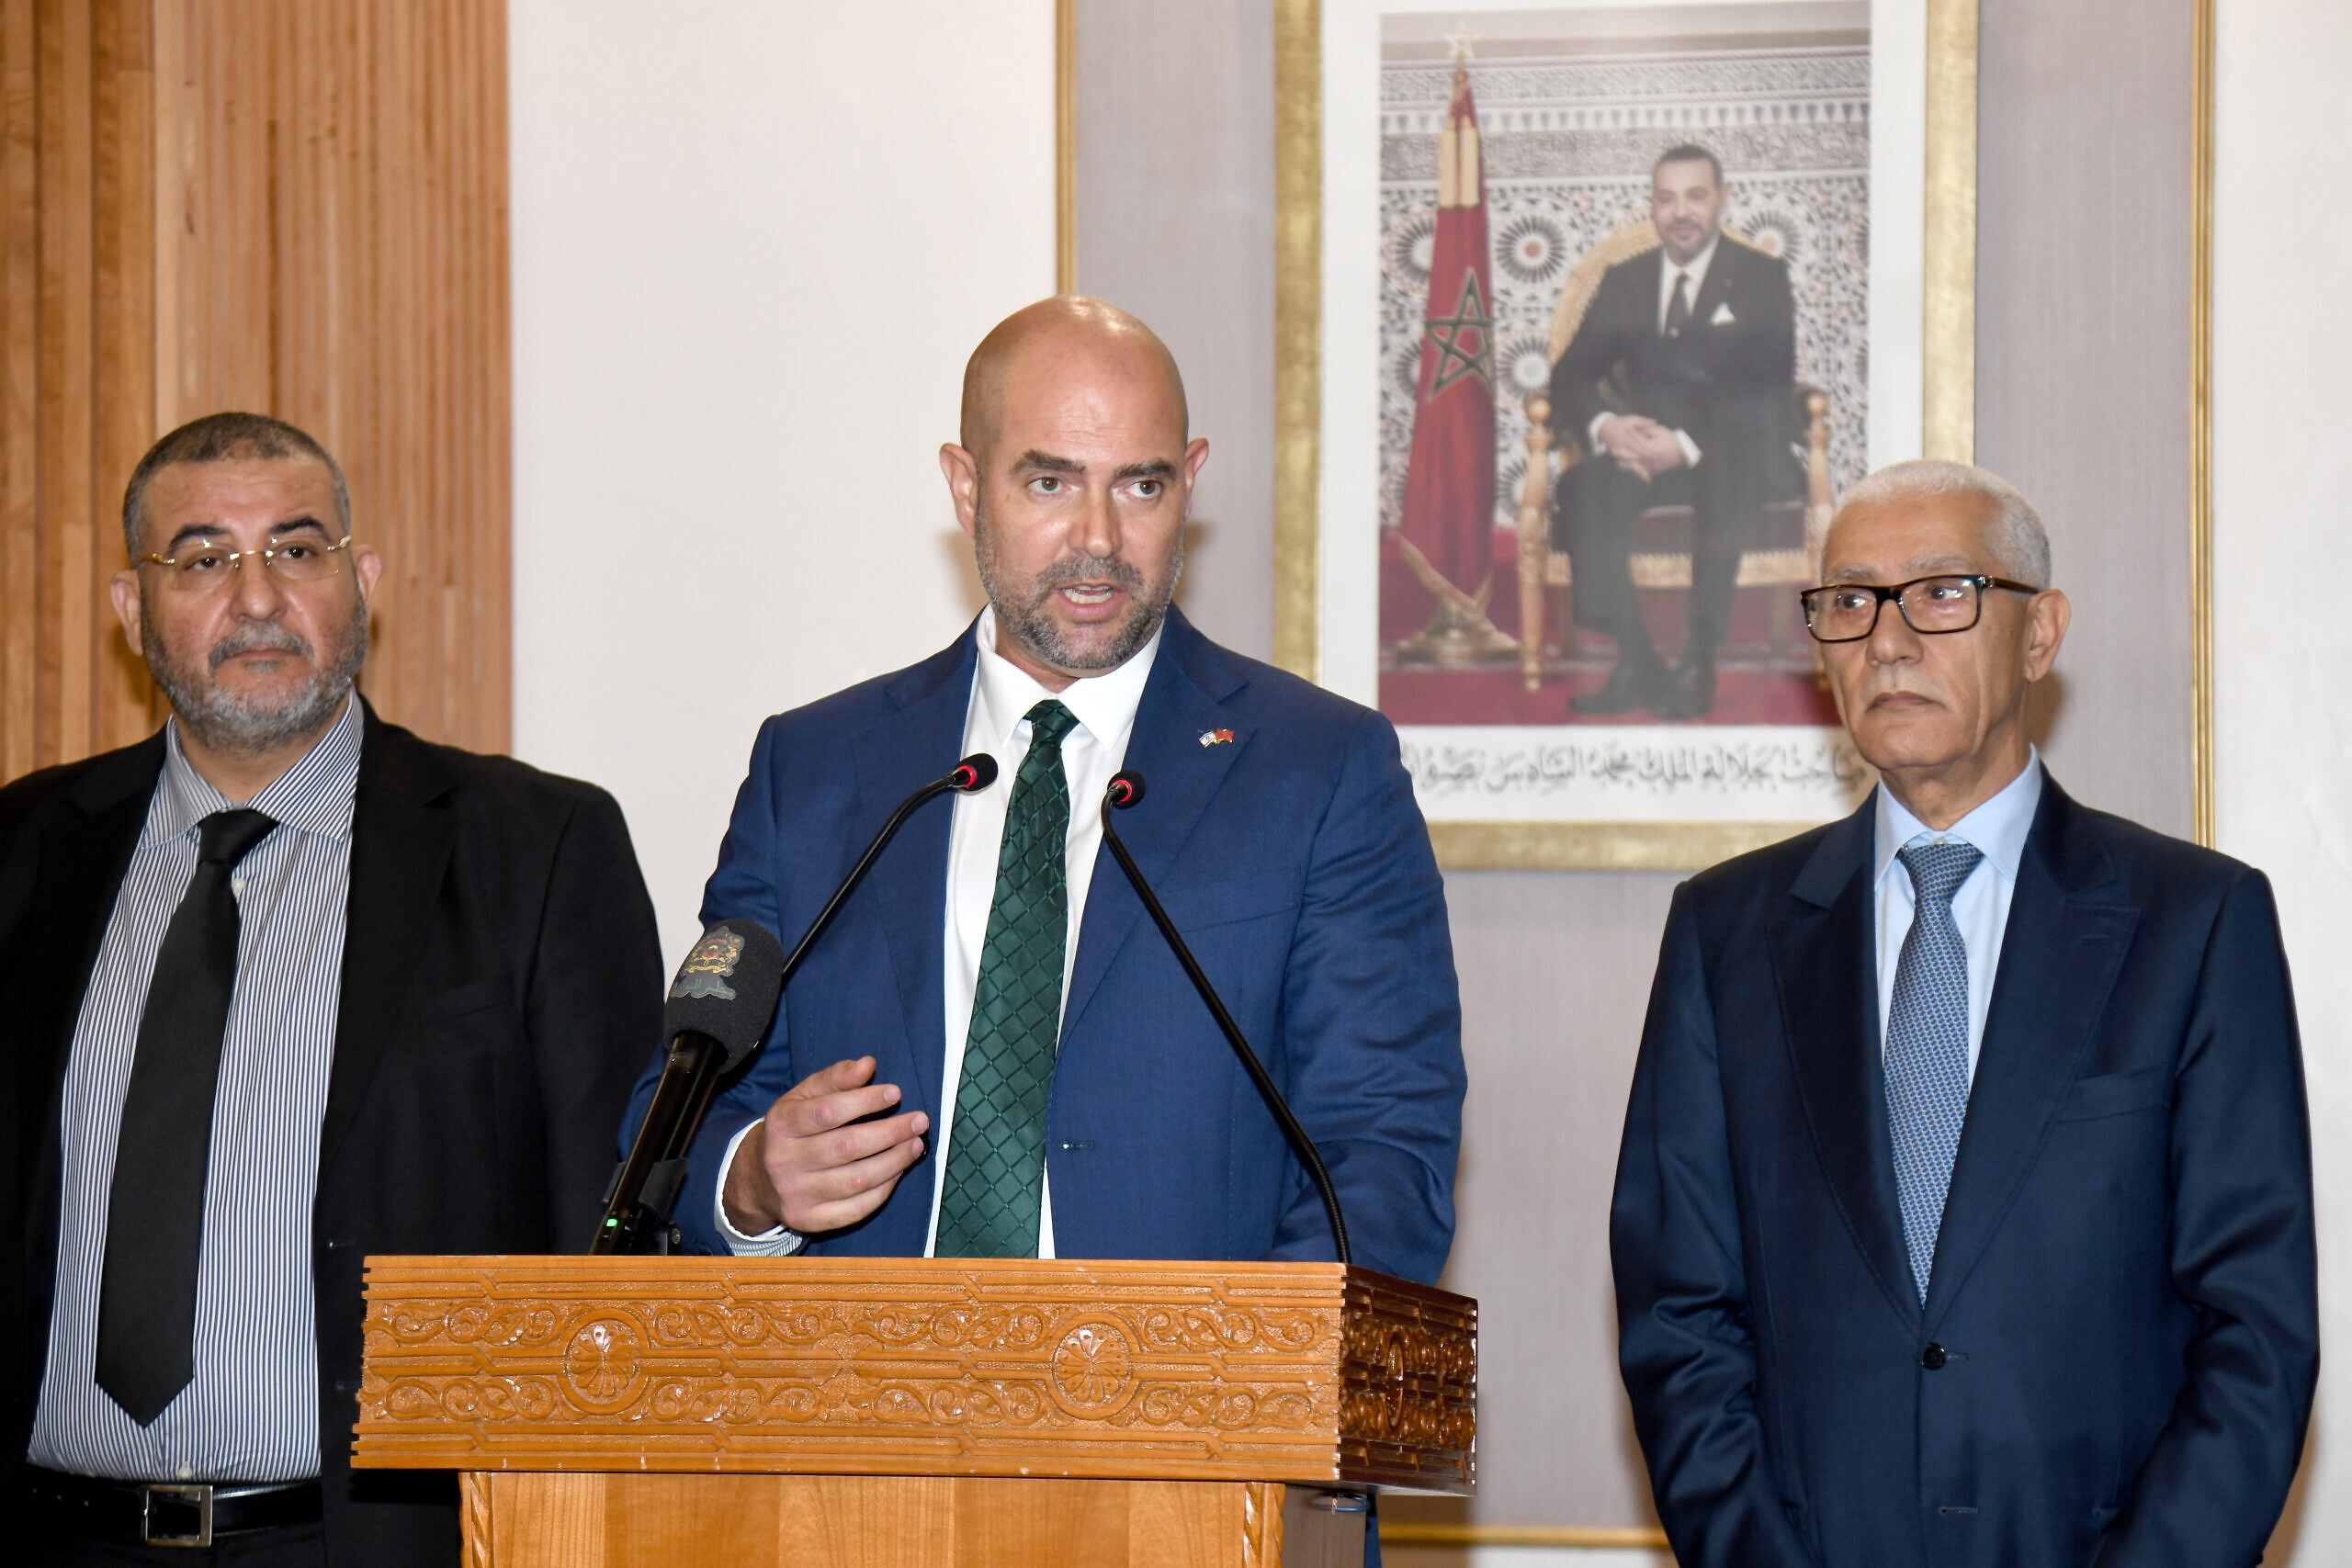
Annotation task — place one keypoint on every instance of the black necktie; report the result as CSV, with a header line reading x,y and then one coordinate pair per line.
x,y
156,1211
1678,309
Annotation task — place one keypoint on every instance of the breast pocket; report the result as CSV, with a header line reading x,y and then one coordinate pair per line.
x,y
2118,1094
440,1010
1224,904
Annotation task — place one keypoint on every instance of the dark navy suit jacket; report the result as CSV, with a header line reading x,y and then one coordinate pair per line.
x,y
2116,1360
1299,867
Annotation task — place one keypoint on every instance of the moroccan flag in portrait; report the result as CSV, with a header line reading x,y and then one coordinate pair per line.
x,y
1448,517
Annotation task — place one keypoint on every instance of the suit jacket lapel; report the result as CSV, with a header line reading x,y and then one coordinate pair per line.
x,y
84,859
1189,681
908,885
2059,958
1717,287
400,841
1824,959
82,862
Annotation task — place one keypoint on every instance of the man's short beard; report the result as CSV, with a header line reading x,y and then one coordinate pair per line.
x,y
237,725
1038,631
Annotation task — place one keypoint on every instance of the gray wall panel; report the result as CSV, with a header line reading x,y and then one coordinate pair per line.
x,y
1175,221
2082,399
2081,364
1555,969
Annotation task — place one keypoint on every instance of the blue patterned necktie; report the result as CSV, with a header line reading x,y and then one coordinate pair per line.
x,y
1926,1048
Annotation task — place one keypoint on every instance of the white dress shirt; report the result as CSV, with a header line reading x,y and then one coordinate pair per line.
x,y
1979,909
1695,269
996,722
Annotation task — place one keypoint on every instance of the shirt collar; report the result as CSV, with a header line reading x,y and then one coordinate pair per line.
x,y
1998,827
315,795
1104,704
1696,266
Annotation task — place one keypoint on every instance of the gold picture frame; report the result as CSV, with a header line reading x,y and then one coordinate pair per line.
x,y
2201,426
1947,429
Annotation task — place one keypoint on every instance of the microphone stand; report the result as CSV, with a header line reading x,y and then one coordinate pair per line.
x,y
1126,788
974,774
645,1187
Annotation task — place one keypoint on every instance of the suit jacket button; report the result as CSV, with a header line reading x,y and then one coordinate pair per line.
x,y
1932,1356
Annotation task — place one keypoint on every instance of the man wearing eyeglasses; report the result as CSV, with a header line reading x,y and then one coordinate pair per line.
x,y
283,986
1963,1215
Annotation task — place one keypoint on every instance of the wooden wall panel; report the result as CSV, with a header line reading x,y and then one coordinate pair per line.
x,y
334,186
20,619
122,346
78,339
297,206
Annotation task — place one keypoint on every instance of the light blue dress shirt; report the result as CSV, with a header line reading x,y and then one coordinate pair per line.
x,y
1981,909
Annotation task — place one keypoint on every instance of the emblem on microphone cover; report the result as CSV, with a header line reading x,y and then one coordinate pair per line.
x,y
1217,737
705,970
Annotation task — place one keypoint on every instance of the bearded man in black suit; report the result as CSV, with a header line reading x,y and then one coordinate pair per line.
x,y
1678,387
281,986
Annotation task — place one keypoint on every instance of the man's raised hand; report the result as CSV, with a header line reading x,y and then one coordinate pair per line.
x,y
812,1164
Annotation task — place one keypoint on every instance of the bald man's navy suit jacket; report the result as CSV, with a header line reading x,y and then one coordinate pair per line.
x,y
1295,861
2122,1309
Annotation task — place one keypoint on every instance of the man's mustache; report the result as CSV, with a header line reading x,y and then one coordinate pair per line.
x,y
255,636
1089,568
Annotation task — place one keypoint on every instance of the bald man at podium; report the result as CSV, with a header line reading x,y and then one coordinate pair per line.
x,y
992,1053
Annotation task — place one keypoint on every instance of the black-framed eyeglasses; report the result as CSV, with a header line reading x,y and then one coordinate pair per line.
x,y
198,566
1847,612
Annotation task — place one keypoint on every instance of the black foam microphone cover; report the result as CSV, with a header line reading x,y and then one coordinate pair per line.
x,y
726,988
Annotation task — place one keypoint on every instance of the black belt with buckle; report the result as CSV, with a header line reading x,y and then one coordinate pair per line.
x,y
170,1513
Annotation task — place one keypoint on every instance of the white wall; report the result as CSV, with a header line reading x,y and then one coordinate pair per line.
x,y
2282,471
753,243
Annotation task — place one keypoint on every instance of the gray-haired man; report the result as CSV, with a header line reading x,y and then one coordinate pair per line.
x,y
1965,1212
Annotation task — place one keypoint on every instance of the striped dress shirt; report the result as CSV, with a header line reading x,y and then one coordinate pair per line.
x,y
250,1412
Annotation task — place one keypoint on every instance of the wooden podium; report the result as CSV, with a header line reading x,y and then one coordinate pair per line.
x,y
903,1413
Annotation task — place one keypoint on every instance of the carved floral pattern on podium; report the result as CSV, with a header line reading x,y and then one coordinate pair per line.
x,y
804,1364
472,1364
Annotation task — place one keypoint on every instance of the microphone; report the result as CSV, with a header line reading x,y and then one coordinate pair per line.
x,y
1125,790
719,1012
716,1030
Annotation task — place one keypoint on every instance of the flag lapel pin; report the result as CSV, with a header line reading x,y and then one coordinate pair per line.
x,y
1217,737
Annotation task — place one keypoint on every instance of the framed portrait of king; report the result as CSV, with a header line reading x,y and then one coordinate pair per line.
x,y
1588,313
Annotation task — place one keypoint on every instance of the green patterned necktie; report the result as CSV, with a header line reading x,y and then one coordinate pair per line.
x,y
996,1153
